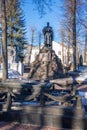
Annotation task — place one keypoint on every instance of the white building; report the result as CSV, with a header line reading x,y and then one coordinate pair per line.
x,y
61,52
35,51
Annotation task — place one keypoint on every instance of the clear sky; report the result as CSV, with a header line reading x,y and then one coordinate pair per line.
x,y
33,19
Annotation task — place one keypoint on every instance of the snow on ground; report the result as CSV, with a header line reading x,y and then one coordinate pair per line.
x,y
83,69
82,75
82,78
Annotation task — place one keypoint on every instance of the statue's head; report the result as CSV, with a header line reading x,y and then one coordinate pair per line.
x,y
48,24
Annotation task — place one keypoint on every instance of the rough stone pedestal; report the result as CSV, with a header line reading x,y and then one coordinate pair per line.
x,y
47,65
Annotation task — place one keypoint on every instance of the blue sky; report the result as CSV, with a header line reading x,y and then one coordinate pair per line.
x,y
33,19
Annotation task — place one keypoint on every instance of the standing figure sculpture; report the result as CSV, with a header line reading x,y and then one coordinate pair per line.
x,y
48,35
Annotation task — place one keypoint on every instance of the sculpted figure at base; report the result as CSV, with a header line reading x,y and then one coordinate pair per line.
x,y
48,35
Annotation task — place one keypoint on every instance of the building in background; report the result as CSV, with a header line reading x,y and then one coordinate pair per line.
x,y
62,52
57,47
35,51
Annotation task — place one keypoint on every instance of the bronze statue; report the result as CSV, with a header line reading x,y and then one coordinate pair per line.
x,y
48,35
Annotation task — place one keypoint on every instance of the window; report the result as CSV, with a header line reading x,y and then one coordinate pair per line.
x,y
59,52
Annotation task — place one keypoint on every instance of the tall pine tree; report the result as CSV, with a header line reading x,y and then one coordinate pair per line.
x,y
16,28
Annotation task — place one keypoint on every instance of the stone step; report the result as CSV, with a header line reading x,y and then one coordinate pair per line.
x,y
47,116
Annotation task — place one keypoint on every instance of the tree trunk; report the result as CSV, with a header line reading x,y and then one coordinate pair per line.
x,y
68,51
32,39
63,47
85,58
39,41
4,41
74,32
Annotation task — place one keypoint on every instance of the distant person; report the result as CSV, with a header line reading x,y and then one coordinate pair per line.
x,y
81,60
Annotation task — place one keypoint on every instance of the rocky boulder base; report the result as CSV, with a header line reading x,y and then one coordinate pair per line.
x,y
47,65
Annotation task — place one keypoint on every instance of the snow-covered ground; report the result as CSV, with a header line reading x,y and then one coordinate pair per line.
x,y
12,74
82,78
84,97
82,75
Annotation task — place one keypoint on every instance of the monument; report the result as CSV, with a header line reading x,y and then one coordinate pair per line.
x,y
48,36
63,104
47,65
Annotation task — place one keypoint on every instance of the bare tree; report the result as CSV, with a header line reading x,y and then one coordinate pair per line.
x,y
31,45
39,41
74,32
73,28
43,5
62,46
4,40
85,55
68,51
